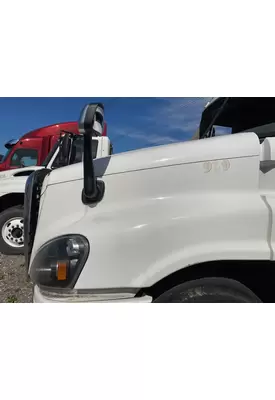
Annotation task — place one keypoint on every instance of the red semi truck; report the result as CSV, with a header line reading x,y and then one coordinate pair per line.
x,y
32,148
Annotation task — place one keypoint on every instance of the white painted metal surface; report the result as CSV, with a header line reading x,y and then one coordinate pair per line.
x,y
165,208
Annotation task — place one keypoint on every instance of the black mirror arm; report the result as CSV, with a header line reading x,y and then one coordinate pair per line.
x,y
94,189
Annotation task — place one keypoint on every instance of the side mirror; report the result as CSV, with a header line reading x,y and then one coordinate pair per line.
x,y
65,149
11,143
91,123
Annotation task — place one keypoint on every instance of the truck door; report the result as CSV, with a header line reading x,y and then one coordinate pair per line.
x,y
25,154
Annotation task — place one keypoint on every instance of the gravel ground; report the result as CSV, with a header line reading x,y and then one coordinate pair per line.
x,y
14,287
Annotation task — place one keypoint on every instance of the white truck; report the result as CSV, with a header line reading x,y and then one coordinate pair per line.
x,y
184,222
68,150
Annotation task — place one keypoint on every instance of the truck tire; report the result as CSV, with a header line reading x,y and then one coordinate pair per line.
x,y
12,231
209,290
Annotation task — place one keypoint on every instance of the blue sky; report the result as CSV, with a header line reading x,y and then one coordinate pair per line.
x,y
132,122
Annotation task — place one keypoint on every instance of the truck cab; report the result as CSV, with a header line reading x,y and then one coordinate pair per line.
x,y
33,147
233,115
187,222
66,151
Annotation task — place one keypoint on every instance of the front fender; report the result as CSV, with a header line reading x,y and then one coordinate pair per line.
x,y
13,185
138,249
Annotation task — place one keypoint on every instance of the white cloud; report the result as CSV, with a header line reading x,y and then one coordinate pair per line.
x,y
151,138
181,113
172,114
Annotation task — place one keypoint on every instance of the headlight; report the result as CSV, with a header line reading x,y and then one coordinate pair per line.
x,y
60,261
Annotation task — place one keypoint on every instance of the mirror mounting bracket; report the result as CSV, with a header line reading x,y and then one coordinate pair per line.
x,y
97,197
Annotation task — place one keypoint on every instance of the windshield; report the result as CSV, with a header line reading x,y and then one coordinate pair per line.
x,y
77,152
6,155
77,149
240,114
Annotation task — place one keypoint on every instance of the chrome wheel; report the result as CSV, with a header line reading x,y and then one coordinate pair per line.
x,y
13,232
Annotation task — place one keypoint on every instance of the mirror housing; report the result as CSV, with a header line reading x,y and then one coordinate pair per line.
x,y
11,143
91,123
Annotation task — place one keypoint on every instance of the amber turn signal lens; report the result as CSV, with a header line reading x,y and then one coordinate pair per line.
x,y
61,270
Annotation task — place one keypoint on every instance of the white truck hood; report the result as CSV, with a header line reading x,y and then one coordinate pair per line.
x,y
216,148
13,172
10,183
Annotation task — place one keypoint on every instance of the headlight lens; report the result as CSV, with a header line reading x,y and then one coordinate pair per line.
x,y
60,261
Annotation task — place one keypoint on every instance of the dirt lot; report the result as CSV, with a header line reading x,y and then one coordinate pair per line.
x,y
14,287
